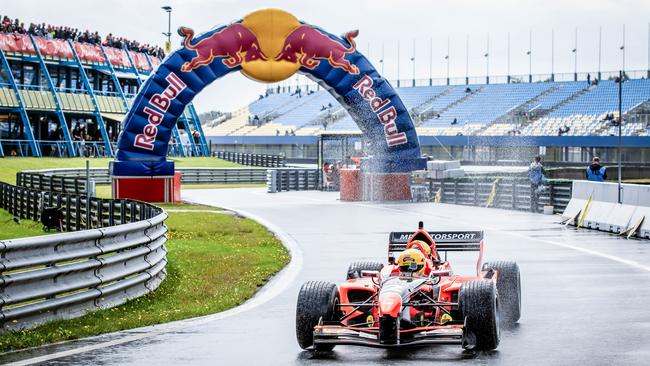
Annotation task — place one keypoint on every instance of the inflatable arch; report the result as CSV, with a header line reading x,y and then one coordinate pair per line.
x,y
268,45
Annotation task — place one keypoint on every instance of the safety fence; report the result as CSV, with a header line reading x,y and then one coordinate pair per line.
x,y
279,180
269,161
120,256
54,182
505,193
74,180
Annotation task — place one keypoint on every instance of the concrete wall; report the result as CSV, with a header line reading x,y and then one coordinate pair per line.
x,y
604,212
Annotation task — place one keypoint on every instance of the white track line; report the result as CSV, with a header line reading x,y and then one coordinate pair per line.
x,y
276,285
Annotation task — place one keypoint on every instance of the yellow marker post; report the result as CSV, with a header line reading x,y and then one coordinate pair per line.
x,y
584,212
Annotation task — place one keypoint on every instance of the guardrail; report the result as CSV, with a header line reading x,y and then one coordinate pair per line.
x,y
54,183
506,193
269,161
66,275
74,181
279,180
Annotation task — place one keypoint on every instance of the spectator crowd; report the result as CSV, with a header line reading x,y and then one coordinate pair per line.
x,y
65,33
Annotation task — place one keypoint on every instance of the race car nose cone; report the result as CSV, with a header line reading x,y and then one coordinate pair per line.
x,y
390,303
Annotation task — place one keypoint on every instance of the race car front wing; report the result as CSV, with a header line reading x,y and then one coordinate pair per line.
x,y
369,336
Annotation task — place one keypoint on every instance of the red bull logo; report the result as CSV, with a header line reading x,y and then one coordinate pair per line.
x,y
307,46
156,109
235,43
386,113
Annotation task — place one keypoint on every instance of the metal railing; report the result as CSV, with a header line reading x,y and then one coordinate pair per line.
x,y
121,256
280,180
269,161
74,181
505,193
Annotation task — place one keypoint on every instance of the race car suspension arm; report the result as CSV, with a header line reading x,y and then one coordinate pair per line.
x,y
357,306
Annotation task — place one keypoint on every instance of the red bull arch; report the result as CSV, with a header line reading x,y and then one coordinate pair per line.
x,y
267,45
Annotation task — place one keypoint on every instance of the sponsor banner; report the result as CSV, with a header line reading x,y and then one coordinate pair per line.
x,y
11,42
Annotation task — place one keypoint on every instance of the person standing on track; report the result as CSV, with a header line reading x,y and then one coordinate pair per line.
x,y
596,172
537,180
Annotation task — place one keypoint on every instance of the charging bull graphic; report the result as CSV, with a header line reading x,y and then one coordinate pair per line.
x,y
236,43
307,45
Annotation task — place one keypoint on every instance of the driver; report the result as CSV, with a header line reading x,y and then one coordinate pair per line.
x,y
422,246
412,261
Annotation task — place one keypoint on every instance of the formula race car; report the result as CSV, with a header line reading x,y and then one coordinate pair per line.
x,y
414,300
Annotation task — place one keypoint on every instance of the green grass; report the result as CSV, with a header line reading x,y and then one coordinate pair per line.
x,y
105,191
10,166
9,229
216,262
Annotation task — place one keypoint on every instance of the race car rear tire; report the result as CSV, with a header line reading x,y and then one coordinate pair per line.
x,y
316,300
508,290
355,268
479,306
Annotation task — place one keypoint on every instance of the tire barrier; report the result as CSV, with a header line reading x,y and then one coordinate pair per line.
x,y
282,180
122,256
595,205
505,193
268,161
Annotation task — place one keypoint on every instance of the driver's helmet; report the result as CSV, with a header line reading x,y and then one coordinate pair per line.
x,y
411,261
422,246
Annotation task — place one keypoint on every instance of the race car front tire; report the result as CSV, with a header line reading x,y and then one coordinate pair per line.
x,y
316,300
508,289
355,268
480,308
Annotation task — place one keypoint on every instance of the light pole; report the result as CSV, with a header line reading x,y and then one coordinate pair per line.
x,y
622,48
398,64
530,56
600,50
620,81
552,54
487,60
168,44
508,71
575,57
447,58
413,61
430,61
467,60
381,61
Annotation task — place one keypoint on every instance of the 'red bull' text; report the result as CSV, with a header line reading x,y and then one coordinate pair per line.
x,y
155,111
386,113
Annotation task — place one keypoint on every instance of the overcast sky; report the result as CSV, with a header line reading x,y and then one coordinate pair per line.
x,y
386,22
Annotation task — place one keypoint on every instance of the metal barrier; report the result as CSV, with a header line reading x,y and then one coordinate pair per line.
x,y
506,193
279,180
269,161
74,180
66,275
52,183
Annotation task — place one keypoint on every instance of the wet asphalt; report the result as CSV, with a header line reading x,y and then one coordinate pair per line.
x,y
585,294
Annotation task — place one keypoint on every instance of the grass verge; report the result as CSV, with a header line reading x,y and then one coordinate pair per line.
x,y
215,262
10,229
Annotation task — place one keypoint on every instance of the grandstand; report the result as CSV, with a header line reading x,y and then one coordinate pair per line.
x,y
62,98
527,109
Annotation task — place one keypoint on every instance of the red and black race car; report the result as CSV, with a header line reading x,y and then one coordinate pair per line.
x,y
388,306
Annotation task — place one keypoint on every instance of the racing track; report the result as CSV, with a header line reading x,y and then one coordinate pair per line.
x,y
586,297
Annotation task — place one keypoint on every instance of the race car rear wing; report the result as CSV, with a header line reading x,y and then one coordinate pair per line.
x,y
446,241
